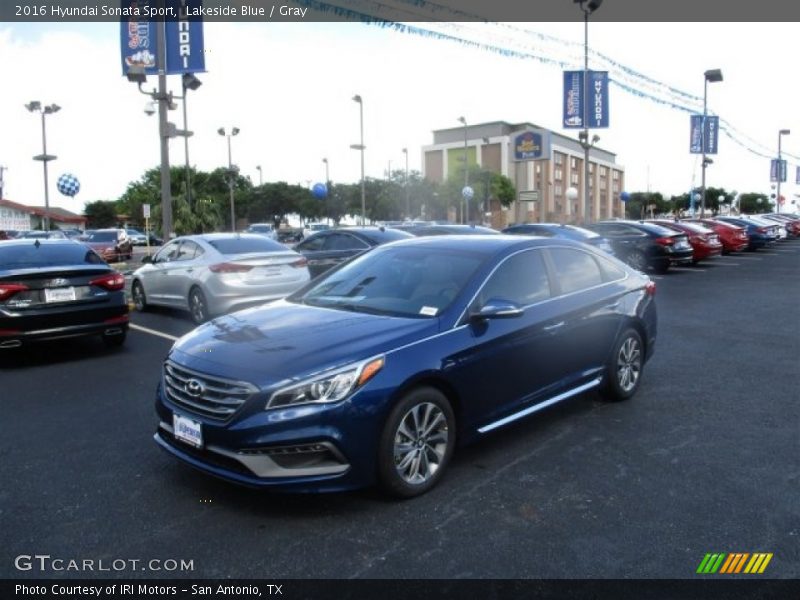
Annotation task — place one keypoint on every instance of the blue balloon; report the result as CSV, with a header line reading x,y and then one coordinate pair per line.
x,y
320,190
68,185
624,196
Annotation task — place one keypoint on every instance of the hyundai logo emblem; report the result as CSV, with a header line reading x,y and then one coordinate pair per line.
x,y
57,282
194,388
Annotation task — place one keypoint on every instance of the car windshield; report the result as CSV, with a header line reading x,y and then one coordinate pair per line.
x,y
260,228
103,236
401,282
24,256
246,245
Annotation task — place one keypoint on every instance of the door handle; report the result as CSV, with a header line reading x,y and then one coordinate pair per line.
x,y
554,326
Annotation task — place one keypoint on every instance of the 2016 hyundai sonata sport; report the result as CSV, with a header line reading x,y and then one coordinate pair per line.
x,y
376,371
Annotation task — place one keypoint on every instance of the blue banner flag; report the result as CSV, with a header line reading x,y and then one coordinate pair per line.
x,y
711,137
573,99
183,37
777,169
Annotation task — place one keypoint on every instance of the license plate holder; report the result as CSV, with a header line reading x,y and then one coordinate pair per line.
x,y
65,294
187,430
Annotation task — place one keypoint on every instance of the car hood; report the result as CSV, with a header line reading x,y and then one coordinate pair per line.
x,y
284,341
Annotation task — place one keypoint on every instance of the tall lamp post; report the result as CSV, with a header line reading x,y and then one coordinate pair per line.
x,y
260,175
360,147
781,133
327,171
36,106
188,82
710,76
465,216
588,7
408,201
232,170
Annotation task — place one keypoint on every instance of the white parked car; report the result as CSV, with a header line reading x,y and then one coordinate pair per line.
x,y
265,229
216,273
314,228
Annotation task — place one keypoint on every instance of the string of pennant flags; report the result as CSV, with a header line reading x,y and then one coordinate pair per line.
x,y
512,41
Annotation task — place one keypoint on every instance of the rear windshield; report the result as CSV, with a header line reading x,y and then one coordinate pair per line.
x,y
386,235
103,236
24,256
581,231
657,229
260,228
246,245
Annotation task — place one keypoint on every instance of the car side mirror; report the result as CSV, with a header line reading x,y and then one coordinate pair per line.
x,y
497,308
146,259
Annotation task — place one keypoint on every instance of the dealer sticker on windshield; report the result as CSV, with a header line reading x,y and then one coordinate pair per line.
x,y
428,311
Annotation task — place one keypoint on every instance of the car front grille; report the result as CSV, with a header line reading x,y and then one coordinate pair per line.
x,y
211,397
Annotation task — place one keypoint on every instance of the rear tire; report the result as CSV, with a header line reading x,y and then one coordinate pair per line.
x,y
139,297
624,369
416,444
198,307
637,260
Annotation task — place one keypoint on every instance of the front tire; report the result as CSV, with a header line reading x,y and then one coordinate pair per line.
x,y
114,341
198,307
416,444
624,369
139,297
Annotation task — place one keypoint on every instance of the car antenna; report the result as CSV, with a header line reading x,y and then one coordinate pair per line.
x,y
37,243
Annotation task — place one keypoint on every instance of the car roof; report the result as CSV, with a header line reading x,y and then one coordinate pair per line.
x,y
484,243
45,241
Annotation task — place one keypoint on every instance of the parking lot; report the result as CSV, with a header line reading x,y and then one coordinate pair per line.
x,y
703,459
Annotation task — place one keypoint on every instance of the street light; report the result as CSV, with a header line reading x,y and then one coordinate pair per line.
x,y
260,175
781,133
36,106
360,147
710,76
189,82
232,170
587,8
408,202
465,218
327,171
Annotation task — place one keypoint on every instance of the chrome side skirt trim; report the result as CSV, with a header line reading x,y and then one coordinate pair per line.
x,y
541,405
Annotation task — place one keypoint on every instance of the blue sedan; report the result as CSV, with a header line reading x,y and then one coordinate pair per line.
x,y
376,371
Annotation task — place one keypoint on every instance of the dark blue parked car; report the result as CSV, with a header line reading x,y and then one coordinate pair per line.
x,y
376,370
563,231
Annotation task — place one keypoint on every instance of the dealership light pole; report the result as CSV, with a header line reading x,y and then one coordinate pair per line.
x,y
712,76
360,147
36,106
588,7
781,133
232,171
189,82
464,219
260,175
408,201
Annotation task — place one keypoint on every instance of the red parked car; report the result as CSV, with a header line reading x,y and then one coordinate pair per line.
x,y
733,237
704,241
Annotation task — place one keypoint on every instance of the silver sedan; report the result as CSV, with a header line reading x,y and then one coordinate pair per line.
x,y
216,273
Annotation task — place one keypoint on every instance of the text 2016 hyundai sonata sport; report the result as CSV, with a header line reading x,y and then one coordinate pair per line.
x,y
378,370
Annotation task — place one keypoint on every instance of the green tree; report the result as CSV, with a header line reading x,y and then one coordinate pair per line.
x,y
101,213
752,203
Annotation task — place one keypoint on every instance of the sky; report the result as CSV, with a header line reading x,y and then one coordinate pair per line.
x,y
288,88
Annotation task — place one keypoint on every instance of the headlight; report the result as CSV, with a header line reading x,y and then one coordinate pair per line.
x,y
331,387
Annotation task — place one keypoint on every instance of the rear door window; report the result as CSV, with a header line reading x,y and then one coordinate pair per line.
x,y
575,270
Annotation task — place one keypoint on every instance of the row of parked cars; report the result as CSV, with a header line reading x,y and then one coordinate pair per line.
x,y
408,337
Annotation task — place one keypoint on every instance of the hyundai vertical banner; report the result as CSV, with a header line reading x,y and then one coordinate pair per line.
x,y
711,134
183,37
777,169
574,100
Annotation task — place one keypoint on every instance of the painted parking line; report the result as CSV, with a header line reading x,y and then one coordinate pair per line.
x,y
719,263
153,332
689,270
